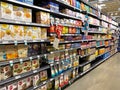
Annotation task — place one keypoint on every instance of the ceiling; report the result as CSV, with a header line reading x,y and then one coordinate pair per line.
x,y
110,7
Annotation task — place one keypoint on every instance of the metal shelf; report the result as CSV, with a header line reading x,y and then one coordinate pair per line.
x,y
86,55
22,41
14,78
100,46
26,5
4,21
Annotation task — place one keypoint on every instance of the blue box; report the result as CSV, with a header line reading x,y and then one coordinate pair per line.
x,y
27,1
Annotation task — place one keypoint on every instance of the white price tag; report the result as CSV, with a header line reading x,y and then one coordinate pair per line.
x,y
31,58
35,71
15,42
42,40
51,52
44,82
34,40
56,43
38,57
5,42
21,61
51,79
25,41
17,77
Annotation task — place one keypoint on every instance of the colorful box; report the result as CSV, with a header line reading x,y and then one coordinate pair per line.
x,y
27,15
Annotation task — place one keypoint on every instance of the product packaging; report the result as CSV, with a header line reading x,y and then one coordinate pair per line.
x,y
26,66
17,69
12,86
27,15
43,75
35,64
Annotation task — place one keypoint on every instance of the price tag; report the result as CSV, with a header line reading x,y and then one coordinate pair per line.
x,y
38,57
45,55
51,79
51,64
31,58
15,42
51,52
35,71
17,77
18,22
69,82
57,63
11,63
44,82
56,43
27,23
34,40
25,41
21,61
42,40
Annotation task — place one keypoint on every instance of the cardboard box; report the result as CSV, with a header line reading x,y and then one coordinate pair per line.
x,y
26,66
17,69
29,82
7,32
27,33
43,17
2,53
35,33
22,84
43,75
27,15
18,13
35,64
18,32
36,80
12,86
11,52
43,33
6,10
22,51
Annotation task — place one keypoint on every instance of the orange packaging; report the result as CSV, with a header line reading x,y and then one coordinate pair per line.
x,y
27,15
83,6
11,52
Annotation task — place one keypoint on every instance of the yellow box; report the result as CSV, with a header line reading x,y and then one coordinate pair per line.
x,y
43,33
18,13
6,10
18,32
7,32
27,15
35,33
27,33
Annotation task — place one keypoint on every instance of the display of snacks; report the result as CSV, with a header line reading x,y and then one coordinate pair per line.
x,y
17,69
36,80
35,64
43,75
27,15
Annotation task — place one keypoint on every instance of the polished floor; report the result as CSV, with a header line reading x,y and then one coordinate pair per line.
x,y
105,77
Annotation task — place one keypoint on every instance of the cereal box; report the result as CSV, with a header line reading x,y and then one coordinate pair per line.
x,y
18,13
7,71
22,50
1,73
27,15
35,64
26,66
28,33
18,32
12,86
43,33
11,52
43,75
22,84
7,32
2,53
29,82
17,69
36,80
35,33
6,10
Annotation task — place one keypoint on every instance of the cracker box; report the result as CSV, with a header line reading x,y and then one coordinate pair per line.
x,y
44,87
12,86
2,53
36,80
43,75
18,13
1,73
7,71
3,88
22,84
43,33
29,82
27,15
18,32
11,52
56,84
35,33
7,32
26,66
27,33
43,17
6,10
22,50
17,69
35,64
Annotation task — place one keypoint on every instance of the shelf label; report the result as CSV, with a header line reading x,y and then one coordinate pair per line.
x,y
11,63
44,82
17,77
25,41
51,79
31,58
42,40
35,71
5,42
34,40
38,57
16,43
21,61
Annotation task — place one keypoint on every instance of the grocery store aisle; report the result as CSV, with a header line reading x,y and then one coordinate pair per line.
x,y
104,77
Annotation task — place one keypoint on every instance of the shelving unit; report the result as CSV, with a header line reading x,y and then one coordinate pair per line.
x,y
45,64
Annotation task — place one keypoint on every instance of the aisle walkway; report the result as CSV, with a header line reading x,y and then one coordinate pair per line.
x,y
104,77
